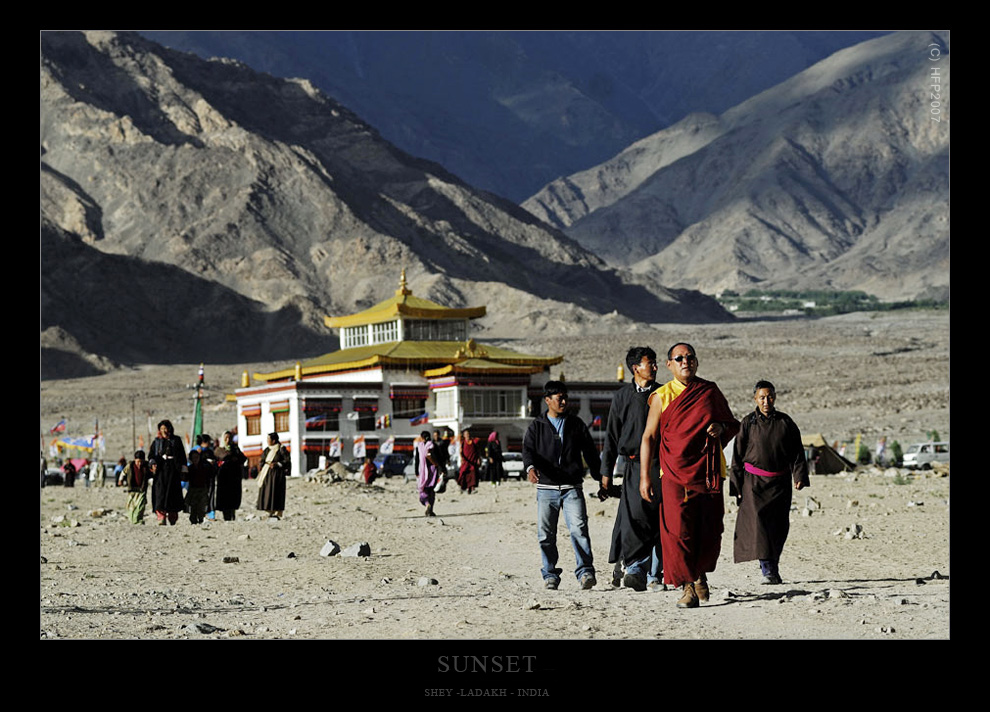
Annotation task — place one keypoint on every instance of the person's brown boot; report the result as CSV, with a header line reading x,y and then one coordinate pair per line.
x,y
701,588
690,598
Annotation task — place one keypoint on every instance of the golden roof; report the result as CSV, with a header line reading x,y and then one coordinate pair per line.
x,y
427,355
402,304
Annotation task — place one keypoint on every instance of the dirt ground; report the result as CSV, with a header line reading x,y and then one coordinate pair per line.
x,y
867,557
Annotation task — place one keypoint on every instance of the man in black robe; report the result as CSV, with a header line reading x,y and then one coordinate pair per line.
x,y
767,454
636,534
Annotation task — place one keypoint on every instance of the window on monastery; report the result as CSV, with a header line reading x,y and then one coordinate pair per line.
x,y
408,408
446,403
253,424
435,330
352,336
322,414
367,411
384,333
491,402
281,422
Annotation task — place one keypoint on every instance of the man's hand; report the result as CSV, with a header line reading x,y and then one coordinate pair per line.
x,y
715,429
645,489
533,475
798,485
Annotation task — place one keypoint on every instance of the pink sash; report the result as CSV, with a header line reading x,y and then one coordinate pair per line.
x,y
754,470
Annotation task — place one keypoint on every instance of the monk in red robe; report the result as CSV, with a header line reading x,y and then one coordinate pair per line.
x,y
689,423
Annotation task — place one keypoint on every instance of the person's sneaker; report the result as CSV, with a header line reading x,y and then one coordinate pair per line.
x,y
656,586
771,579
551,584
617,575
701,588
634,581
588,581
690,598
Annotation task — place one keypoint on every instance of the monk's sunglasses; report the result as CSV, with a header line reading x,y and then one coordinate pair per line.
x,y
689,358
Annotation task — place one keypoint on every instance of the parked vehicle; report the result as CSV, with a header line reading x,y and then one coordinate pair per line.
x,y
512,462
922,455
389,465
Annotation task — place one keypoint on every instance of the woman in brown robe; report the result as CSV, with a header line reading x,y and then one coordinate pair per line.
x,y
271,477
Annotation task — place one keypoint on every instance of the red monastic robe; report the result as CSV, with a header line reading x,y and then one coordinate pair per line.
x,y
692,507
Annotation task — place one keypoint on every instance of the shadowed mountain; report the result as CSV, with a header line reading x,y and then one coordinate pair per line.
x,y
838,177
510,111
269,191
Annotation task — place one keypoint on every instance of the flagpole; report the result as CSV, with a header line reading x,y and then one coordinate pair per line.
x,y
197,420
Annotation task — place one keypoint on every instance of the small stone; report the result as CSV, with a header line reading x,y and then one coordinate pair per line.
x,y
291,555
230,559
330,548
533,605
360,549
427,581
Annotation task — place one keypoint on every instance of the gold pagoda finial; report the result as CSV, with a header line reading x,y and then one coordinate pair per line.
x,y
245,380
620,373
403,290
298,371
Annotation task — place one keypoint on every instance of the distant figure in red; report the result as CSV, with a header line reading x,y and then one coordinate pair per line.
x,y
369,471
467,478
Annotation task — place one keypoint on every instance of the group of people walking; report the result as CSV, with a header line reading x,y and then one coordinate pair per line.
x,y
668,441
432,455
211,474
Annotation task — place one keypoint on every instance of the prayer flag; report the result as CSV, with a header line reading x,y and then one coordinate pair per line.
x,y
419,419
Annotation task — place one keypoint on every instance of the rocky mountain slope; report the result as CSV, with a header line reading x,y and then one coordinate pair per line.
x,y
510,111
196,210
837,177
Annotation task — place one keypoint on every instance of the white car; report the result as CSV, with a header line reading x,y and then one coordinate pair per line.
x,y
512,462
922,455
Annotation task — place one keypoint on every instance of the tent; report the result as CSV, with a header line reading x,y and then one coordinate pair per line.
x,y
829,461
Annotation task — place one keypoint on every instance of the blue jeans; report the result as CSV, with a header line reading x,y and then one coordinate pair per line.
x,y
652,562
549,503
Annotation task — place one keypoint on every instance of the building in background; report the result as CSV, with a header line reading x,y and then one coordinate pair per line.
x,y
405,365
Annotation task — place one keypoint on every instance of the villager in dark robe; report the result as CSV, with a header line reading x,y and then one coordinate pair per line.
x,y
69,471
227,492
496,468
167,457
201,474
636,532
766,456
275,465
